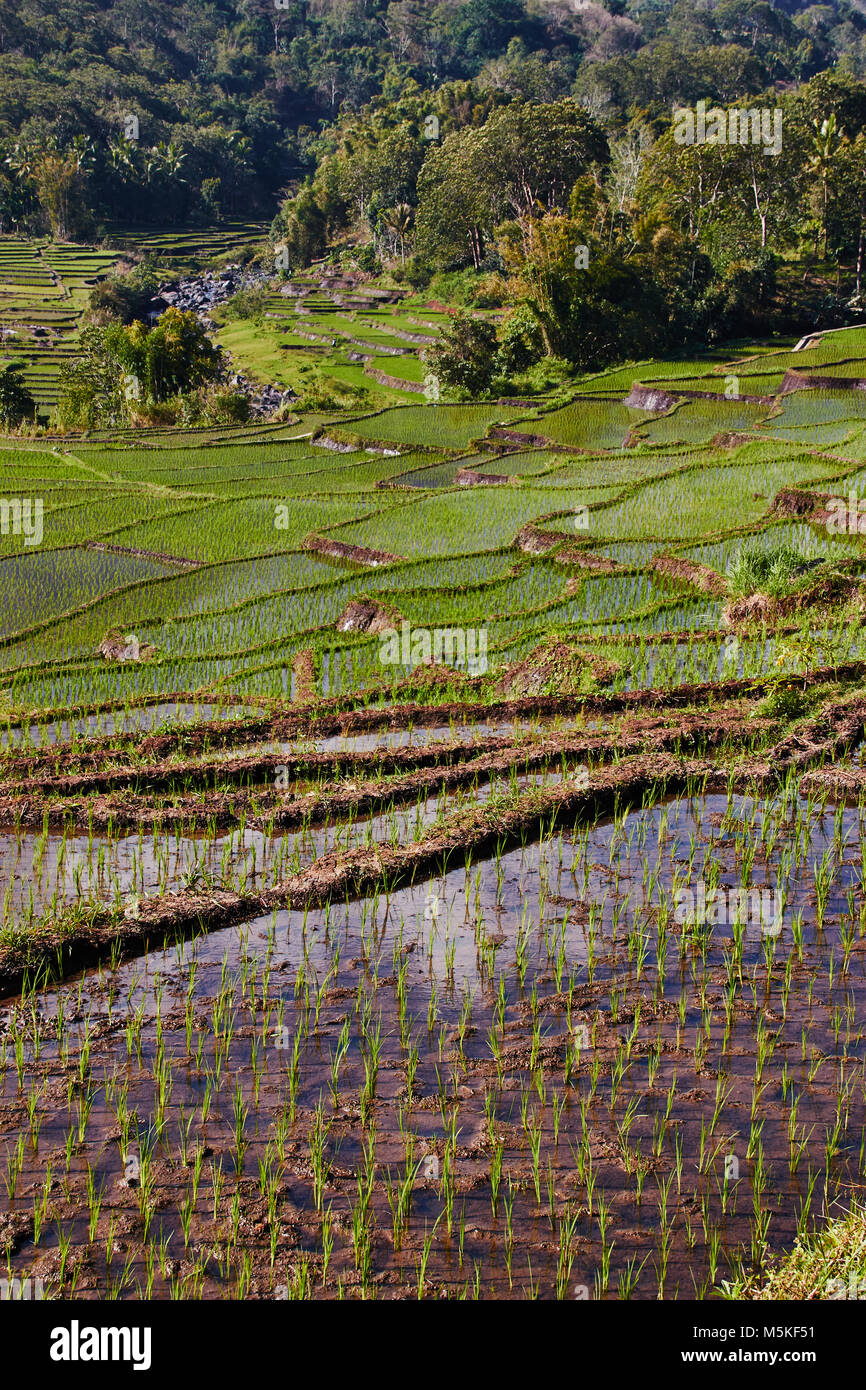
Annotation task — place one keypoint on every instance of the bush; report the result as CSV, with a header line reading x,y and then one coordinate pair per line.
x,y
121,371
124,298
366,258
769,571
317,393
416,273
246,304
302,227
785,702
490,292
464,358
520,341
225,407
454,286
16,402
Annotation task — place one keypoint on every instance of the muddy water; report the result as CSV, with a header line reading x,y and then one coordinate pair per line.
x,y
630,1140
39,872
33,877
141,719
420,737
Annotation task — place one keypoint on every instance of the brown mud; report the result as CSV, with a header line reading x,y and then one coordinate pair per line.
x,y
439,766
472,832
366,615
332,717
690,572
522,1079
304,673
340,550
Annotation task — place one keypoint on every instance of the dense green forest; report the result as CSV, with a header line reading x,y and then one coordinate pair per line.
x,y
167,112
507,155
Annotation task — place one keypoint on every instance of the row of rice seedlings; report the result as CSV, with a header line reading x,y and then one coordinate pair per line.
x,y
601,1075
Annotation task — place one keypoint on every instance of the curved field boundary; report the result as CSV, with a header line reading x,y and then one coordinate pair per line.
x,y
71,943
180,561
442,759
340,550
468,477
808,381
331,718
689,572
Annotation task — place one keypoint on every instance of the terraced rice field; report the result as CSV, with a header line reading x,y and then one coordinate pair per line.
x,y
45,286
356,335
43,290
437,885
186,249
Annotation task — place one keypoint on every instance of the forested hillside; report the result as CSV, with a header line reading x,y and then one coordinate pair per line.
x,y
516,158
160,111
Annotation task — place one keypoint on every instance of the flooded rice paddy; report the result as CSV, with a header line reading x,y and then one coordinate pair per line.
x,y
566,1069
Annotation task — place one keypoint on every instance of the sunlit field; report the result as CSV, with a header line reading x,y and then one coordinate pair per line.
x,y
433,836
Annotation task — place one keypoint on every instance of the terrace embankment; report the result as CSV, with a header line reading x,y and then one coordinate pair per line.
x,y
829,592
690,572
797,502
410,772
341,550
468,477
69,943
336,717
809,381
590,561
179,560
304,675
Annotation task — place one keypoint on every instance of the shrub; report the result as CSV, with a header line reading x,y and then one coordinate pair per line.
x,y
416,273
124,298
366,258
464,358
490,292
785,702
225,407
16,402
454,286
520,341
770,571
246,304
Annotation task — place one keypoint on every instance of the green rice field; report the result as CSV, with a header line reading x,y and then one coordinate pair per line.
x,y
364,779
228,516
44,288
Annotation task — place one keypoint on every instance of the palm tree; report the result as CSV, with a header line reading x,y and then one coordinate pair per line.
x,y
165,159
825,146
20,161
398,221
120,156
82,149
